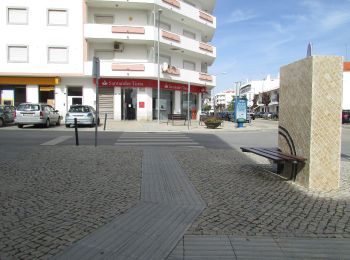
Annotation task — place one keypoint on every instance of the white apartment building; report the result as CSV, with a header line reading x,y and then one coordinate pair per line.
x,y
224,98
49,46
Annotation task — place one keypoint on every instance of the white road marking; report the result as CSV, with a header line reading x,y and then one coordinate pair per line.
x,y
57,140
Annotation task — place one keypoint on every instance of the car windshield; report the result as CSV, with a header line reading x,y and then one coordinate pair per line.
x,y
28,107
80,109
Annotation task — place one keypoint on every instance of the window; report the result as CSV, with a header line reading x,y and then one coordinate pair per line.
x,y
17,15
189,65
104,19
58,55
104,54
57,17
17,53
164,26
164,59
189,34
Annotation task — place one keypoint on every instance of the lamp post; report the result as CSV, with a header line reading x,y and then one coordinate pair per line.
x,y
158,79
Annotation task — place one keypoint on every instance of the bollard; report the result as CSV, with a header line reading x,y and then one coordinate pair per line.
x,y
76,132
104,127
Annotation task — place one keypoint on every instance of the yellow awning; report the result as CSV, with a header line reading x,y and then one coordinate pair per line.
x,y
47,88
29,80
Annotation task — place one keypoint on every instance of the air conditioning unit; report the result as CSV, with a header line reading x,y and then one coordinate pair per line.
x,y
118,46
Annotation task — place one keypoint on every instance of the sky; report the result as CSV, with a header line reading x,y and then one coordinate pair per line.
x,y
254,38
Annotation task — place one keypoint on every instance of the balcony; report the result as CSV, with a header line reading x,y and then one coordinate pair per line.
x,y
176,9
113,69
147,35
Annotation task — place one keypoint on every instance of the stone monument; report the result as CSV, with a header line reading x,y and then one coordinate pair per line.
x,y
310,119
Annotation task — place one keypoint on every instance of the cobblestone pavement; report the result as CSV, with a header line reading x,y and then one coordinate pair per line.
x,y
244,199
48,202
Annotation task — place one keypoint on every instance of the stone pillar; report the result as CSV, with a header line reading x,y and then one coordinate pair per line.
x,y
117,103
177,102
310,119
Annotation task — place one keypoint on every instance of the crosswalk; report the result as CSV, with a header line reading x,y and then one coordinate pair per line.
x,y
156,139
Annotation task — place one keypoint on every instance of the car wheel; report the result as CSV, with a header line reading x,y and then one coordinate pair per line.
x,y
67,125
2,123
47,124
20,126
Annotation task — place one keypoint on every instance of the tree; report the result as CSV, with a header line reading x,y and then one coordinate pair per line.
x,y
206,107
266,99
255,102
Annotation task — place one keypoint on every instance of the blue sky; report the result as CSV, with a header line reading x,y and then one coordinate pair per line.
x,y
256,37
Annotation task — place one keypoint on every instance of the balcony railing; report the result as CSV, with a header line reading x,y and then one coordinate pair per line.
x,y
109,68
175,3
171,36
128,67
128,29
148,33
205,16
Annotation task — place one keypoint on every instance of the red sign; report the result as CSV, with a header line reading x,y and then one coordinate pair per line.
x,y
148,83
141,104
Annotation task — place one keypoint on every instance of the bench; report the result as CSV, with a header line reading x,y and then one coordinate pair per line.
x,y
278,157
173,117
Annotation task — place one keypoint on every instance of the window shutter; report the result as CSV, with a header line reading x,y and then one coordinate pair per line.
x,y
57,17
188,65
17,16
104,19
105,55
58,55
18,53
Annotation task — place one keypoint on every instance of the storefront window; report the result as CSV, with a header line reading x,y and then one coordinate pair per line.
x,y
166,104
192,104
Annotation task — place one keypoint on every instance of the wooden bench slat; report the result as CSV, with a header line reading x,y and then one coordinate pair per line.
x,y
278,153
263,154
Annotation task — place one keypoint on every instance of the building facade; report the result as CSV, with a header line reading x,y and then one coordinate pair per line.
x,y
224,99
49,47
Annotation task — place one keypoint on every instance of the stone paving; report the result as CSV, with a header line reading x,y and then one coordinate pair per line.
x,y
245,199
47,201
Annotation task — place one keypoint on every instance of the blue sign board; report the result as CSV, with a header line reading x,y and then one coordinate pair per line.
x,y
241,109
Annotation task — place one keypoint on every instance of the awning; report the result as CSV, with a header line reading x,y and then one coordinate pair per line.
x,y
29,80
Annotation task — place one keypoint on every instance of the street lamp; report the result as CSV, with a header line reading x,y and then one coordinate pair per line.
x,y
158,79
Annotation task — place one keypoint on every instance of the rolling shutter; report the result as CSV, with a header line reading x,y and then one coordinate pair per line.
x,y
106,102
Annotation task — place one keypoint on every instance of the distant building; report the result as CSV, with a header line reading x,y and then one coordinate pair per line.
x,y
223,99
257,87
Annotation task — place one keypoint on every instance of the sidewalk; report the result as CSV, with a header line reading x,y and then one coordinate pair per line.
x,y
136,126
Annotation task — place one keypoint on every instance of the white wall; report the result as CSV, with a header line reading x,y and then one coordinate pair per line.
x,y
117,103
177,102
37,35
121,16
346,90
32,93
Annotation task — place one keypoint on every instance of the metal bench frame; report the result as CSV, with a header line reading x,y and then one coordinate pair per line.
x,y
172,117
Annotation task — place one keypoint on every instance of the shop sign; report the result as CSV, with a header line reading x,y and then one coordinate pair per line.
x,y
141,104
148,83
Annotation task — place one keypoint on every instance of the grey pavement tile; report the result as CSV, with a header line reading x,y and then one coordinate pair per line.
x,y
315,248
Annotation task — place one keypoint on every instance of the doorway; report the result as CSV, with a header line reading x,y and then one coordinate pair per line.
x,y
75,96
129,103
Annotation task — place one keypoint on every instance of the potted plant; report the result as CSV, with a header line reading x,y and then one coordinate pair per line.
x,y
212,122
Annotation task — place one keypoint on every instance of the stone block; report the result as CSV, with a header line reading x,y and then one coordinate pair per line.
x,y
310,119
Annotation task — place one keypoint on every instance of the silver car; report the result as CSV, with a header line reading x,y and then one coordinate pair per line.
x,y
85,115
37,114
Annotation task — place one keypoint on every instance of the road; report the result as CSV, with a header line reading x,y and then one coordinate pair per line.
x,y
11,136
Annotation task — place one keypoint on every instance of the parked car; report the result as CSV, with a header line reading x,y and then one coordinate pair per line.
x,y
85,115
36,114
7,114
346,116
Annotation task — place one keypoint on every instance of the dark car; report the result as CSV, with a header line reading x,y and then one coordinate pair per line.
x,y
7,114
346,116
